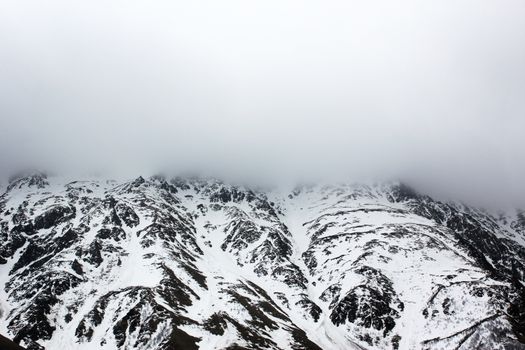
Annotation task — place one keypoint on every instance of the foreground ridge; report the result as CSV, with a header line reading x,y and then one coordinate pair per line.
x,y
193,263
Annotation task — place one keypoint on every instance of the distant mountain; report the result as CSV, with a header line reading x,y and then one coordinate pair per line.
x,y
195,263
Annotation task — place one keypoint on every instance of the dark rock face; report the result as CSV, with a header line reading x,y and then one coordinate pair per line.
x,y
92,254
37,180
10,243
33,325
517,315
127,214
312,308
54,216
199,264
7,344
373,304
77,267
32,254
232,194
115,233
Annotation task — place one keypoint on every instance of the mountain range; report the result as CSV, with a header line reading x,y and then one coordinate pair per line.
x,y
198,263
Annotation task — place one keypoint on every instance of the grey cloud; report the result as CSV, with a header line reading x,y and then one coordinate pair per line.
x,y
431,91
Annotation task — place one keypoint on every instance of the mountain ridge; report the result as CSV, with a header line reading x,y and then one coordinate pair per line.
x,y
187,263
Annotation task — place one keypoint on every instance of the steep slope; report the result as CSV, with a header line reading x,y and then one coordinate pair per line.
x,y
189,263
395,274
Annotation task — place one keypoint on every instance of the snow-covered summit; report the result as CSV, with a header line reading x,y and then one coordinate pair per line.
x,y
193,263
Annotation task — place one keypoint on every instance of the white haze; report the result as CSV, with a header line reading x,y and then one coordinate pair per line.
x,y
431,91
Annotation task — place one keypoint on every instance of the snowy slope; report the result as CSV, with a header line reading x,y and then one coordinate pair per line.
x,y
193,263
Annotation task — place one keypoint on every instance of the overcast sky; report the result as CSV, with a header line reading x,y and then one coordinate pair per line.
x,y
433,90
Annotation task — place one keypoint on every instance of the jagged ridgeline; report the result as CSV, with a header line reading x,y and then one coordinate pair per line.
x,y
193,263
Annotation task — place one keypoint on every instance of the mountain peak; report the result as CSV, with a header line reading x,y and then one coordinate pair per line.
x,y
199,263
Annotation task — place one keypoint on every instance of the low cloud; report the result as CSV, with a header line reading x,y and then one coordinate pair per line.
x,y
428,91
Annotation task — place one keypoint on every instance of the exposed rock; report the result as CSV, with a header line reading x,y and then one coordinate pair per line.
x,y
192,263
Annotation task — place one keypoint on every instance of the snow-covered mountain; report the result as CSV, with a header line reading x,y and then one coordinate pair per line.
x,y
192,263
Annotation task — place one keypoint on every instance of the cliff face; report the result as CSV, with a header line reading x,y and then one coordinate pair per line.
x,y
200,264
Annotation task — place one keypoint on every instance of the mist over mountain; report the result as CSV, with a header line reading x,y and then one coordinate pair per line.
x,y
262,175
283,90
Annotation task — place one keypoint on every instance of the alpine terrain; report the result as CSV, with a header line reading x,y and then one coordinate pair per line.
x,y
196,263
